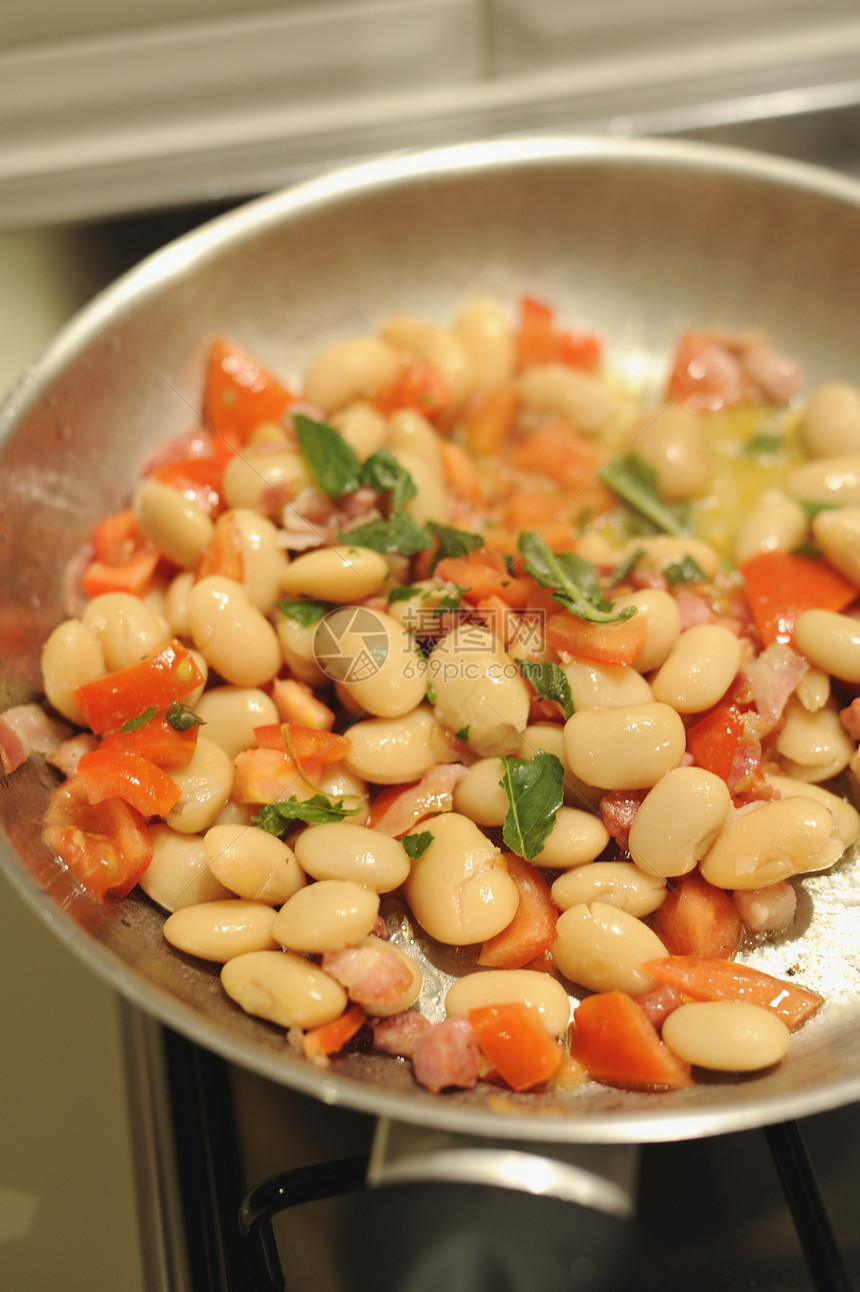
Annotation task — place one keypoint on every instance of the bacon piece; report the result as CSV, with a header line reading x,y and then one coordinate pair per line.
x,y
772,677
433,793
12,751
767,910
658,1004
68,755
375,974
694,610
775,375
398,1033
296,702
618,810
850,718
27,729
446,1055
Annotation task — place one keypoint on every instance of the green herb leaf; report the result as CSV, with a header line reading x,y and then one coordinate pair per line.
x,y
686,570
635,482
814,508
134,724
450,601
181,718
305,612
334,462
453,542
404,594
430,693
399,535
762,444
572,580
463,734
383,472
318,810
534,788
550,681
624,567
416,844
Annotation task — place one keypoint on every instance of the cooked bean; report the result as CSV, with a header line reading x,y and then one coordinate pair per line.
x,y
837,532
297,648
176,603
264,561
179,873
269,433
759,845
617,883
603,948
657,551
220,930
250,477
479,687
483,327
440,347
374,659
776,524
126,627
831,420
815,743
409,432
678,820
549,736
459,889
178,527
326,916
391,751
576,837
253,864
71,657
662,622
194,697
830,480
236,640
846,819
813,689
673,443
233,813
232,712
431,501
338,783
364,429
619,749
205,786
343,574
479,795
356,369
341,850
584,401
831,642
726,1035
284,988
700,668
377,974
605,686
508,986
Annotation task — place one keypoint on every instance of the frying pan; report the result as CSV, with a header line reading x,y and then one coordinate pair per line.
x,y
639,240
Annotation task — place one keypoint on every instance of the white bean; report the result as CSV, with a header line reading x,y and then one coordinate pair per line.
x,y
391,751
71,657
284,988
176,526
179,873
356,369
831,642
617,883
484,329
776,524
662,623
264,561
126,627
440,347
760,845
374,659
846,819
250,477
205,787
584,401
344,574
629,748
232,712
575,838
603,948
479,687
236,640
549,736
220,930
678,820
815,743
831,420
726,1035
674,444
326,916
363,428
253,864
605,686
479,795
700,668
830,480
341,850
459,889
297,648
837,532
813,689
657,551
509,986
176,603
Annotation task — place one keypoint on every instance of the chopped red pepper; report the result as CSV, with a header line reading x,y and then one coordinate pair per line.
x,y
781,585
156,740
117,773
617,1045
532,930
240,393
169,674
105,845
516,1042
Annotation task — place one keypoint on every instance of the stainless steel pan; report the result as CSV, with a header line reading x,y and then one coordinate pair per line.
x,y
640,240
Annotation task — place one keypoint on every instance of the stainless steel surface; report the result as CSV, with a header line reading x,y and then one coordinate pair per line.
x,y
637,239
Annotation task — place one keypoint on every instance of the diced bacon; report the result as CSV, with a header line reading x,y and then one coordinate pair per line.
x,y
70,752
398,1033
306,409
694,610
746,765
12,751
850,718
658,1004
767,910
447,1055
375,975
433,793
27,729
772,677
618,810
296,702
775,375
74,598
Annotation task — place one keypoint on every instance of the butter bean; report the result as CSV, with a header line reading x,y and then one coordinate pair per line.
x,y
440,347
253,864
205,786
232,712
236,640
509,986
605,686
176,603
813,689
831,420
250,477
363,428
479,687
678,820
341,850
617,883
700,668
459,889
582,400
831,642
837,533
264,561
576,837
726,1035
846,819
356,369
373,658
431,501
484,329
71,657
628,748
284,988
391,751
479,795
603,948
326,916
179,873
220,930
759,846
297,648
549,736
659,550
344,574
662,622
125,626
776,524
176,526
833,480
338,783
673,443
816,744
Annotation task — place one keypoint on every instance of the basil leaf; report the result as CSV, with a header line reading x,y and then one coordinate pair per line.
x,y
333,461
450,601
814,508
383,472
550,681
463,734
416,844
399,535
572,580
430,693
305,612
318,810
624,567
686,570
635,482
134,724
403,594
762,444
453,542
534,788
181,718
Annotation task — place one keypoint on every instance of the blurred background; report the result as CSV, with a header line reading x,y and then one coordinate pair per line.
x,y
126,122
